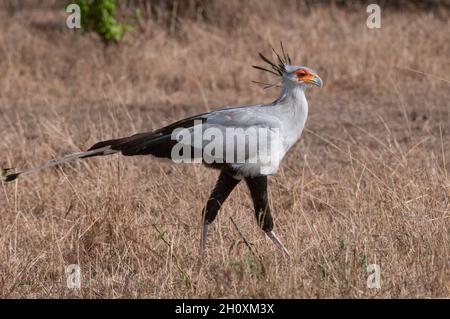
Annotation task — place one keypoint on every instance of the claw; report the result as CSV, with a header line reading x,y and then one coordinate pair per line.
x,y
278,243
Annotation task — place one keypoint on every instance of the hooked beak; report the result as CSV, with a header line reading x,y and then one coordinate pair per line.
x,y
315,80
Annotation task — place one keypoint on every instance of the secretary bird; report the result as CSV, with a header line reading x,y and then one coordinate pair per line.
x,y
280,123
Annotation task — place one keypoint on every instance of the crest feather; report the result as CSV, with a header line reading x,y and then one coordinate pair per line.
x,y
277,69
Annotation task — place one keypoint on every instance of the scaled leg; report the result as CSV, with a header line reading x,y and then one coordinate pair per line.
x,y
258,191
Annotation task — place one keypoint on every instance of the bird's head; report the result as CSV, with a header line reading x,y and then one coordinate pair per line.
x,y
299,75
303,75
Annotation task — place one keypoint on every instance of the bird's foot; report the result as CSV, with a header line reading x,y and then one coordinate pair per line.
x,y
278,243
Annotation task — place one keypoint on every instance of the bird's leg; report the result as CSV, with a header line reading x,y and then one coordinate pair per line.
x,y
278,242
225,184
258,191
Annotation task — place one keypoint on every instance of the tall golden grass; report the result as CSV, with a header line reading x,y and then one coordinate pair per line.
x,y
367,184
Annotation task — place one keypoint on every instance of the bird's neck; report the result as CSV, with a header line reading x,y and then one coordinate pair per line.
x,y
292,107
293,95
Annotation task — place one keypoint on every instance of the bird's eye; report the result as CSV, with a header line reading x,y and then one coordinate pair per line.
x,y
301,73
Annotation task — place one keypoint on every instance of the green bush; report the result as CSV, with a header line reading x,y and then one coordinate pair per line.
x,y
100,16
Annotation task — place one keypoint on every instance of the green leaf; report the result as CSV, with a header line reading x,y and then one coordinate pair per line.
x,y
100,16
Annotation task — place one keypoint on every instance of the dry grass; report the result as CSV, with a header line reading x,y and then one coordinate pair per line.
x,y
368,183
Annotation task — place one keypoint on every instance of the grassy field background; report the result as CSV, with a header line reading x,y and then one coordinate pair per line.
x,y
367,184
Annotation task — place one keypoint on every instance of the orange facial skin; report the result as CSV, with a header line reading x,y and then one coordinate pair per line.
x,y
304,75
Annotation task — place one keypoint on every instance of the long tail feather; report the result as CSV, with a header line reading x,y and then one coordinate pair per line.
x,y
63,160
157,144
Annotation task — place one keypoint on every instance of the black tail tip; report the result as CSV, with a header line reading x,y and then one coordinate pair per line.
x,y
103,144
10,177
